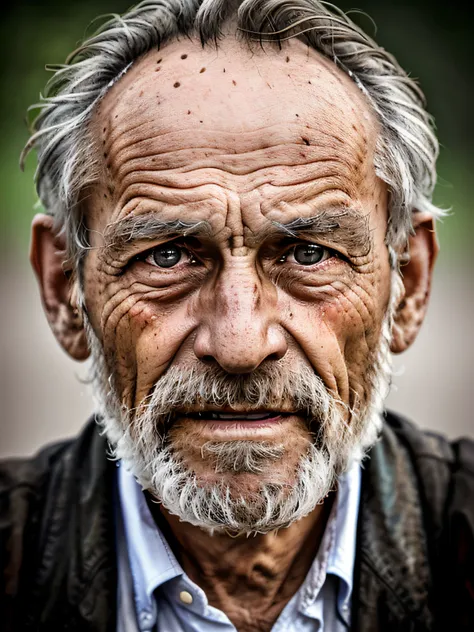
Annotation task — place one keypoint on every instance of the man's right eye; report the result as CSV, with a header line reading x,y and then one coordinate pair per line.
x,y
166,256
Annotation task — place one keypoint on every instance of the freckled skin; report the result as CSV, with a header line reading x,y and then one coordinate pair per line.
x,y
244,167
239,140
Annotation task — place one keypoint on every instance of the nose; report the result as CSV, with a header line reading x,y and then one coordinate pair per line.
x,y
239,326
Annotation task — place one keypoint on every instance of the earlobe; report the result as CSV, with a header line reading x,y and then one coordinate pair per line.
x,y
416,276
48,258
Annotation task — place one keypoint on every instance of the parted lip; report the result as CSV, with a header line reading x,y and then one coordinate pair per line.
x,y
214,412
235,409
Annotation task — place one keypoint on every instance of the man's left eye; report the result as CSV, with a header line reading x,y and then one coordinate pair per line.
x,y
167,255
307,254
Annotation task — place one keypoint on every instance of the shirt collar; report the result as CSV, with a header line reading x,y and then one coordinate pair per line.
x,y
152,562
336,552
342,554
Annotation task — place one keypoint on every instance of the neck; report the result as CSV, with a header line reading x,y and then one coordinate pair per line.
x,y
252,578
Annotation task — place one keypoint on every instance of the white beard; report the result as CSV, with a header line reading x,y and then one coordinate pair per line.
x,y
140,437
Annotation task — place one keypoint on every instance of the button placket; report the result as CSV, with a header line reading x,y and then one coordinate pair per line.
x,y
145,621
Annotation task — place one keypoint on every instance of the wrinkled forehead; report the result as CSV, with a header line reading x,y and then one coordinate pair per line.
x,y
232,91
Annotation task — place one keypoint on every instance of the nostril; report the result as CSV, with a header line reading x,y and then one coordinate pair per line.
x,y
275,356
208,359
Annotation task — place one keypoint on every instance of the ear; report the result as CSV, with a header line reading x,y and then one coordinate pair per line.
x,y
57,288
416,275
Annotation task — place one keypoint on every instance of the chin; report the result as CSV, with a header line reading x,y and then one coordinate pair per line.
x,y
220,483
247,484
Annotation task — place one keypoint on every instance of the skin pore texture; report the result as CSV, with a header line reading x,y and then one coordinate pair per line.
x,y
235,143
247,154
268,140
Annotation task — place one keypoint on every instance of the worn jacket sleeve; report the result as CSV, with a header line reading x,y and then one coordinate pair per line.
x,y
22,484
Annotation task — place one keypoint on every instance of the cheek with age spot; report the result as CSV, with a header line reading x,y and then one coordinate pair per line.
x,y
142,316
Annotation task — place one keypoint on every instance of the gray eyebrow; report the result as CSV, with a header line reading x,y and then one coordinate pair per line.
x,y
149,227
352,228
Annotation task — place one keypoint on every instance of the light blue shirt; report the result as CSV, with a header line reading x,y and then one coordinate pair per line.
x,y
152,582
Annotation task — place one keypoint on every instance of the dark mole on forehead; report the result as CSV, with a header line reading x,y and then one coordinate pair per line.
x,y
183,56
176,85
202,70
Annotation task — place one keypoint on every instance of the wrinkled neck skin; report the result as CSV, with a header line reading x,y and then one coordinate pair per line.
x,y
250,578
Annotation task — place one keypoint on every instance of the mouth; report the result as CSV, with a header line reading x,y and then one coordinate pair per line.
x,y
237,416
237,422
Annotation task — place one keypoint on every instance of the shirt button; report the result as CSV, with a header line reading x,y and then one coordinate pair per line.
x,y
146,619
186,597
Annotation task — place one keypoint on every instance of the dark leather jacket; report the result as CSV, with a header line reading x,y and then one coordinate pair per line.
x,y
414,570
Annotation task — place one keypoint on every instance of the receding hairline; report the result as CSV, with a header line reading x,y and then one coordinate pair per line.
x,y
346,93
253,50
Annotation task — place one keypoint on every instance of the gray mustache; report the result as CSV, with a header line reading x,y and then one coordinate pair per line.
x,y
268,387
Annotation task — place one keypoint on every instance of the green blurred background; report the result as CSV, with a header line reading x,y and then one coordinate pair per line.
x,y
433,41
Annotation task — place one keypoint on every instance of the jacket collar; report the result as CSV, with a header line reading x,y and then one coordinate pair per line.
x,y
75,580
392,575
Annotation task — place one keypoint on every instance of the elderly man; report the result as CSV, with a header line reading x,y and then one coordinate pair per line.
x,y
239,231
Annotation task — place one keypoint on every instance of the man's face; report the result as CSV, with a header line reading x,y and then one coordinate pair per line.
x,y
239,230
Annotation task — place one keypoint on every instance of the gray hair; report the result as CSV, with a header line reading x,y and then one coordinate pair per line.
x,y
68,162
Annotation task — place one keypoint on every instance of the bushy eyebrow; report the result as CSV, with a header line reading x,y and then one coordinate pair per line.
x,y
148,227
349,227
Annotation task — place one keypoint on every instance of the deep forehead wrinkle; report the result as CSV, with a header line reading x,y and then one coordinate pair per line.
x,y
147,124
149,227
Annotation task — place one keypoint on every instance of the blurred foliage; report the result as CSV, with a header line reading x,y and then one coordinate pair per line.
x,y
432,41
